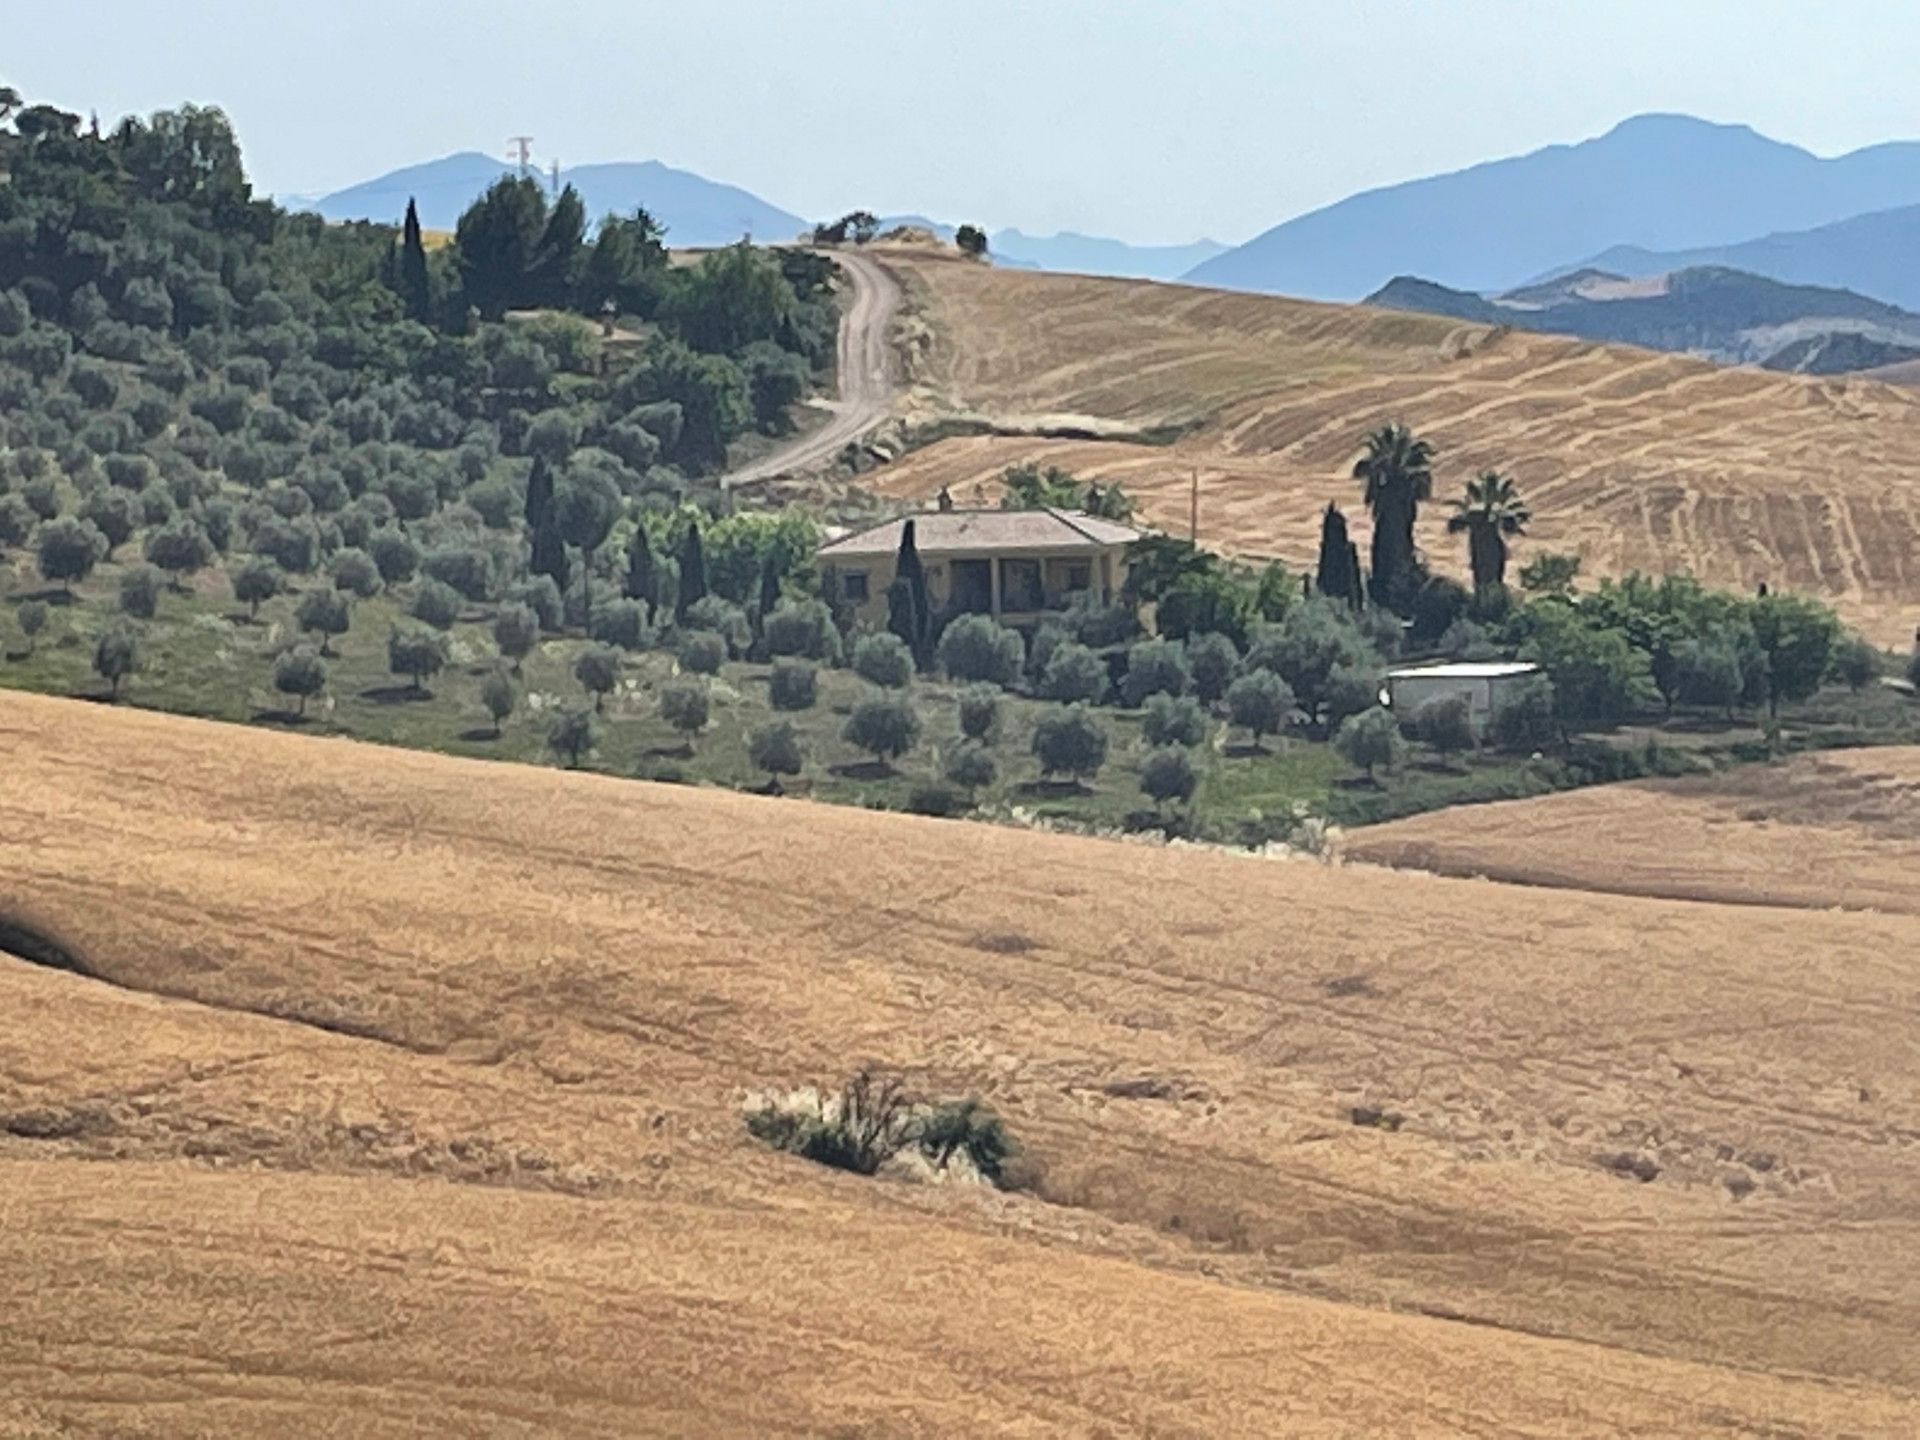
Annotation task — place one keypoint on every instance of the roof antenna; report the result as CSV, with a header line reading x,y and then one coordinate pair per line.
x,y
520,152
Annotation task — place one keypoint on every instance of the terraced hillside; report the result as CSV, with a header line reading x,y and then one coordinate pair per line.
x,y
1634,458
401,1093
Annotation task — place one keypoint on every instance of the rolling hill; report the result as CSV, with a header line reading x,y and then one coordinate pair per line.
x,y
1725,315
1661,182
1634,458
403,1093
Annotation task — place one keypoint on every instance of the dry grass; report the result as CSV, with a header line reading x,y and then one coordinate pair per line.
x,y
412,1103
1635,459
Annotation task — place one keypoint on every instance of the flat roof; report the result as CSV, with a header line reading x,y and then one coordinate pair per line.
x,y
1465,670
946,532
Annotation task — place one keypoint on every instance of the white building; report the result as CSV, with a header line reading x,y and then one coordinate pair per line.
x,y
1486,684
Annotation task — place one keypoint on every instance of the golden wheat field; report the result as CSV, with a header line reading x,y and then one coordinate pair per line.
x,y
403,1096
1636,459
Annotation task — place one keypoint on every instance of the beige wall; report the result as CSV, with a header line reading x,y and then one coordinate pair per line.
x,y
1106,573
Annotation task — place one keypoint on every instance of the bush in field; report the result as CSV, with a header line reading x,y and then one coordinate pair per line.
x,y
726,620
256,581
539,594
1155,667
180,549
1446,724
516,630
804,629
978,647
793,685
1171,721
970,765
395,556
67,550
437,604
980,712
571,734
1370,740
140,592
300,672
1260,703
465,569
354,572
16,521
116,654
1074,674
622,623
1168,774
1856,664
113,514
702,652
1070,742
326,613
31,617
1528,720
775,748
685,705
885,660
499,695
598,671
416,651
885,726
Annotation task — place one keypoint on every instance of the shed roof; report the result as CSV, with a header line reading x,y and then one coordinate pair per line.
x,y
948,532
1465,670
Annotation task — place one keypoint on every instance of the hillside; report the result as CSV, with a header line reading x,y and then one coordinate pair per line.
x,y
411,1094
1635,459
1872,254
695,211
1725,315
1662,182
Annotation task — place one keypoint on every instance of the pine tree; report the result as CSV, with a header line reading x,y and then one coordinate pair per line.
x,y
415,292
909,610
693,572
642,584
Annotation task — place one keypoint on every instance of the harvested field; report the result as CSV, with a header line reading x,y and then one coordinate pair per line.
x,y
402,1093
1636,459
1824,831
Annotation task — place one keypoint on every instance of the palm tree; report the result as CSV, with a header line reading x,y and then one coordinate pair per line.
x,y
1397,474
1491,511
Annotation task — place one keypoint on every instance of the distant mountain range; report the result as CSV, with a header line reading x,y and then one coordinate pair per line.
x,y
1722,314
700,212
1660,183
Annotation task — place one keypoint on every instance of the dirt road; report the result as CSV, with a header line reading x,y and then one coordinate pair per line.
x,y
869,374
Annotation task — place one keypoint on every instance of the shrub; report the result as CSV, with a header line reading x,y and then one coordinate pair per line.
x,y
31,617
980,713
140,592
42,495
67,549
416,651
702,652
1260,703
129,472
885,726
793,685
326,613
116,654
300,672
540,595
598,670
112,514
977,647
465,569
436,603
868,1123
1706,671
970,1128
1856,664
938,799
16,520
1155,667
572,734
622,623
883,659
722,618
1070,742
495,503
1527,721
1074,674
802,628
258,580
1168,774
516,630
1171,721
1445,723
181,548
970,765
775,748
685,705
293,544
1370,740
498,695
354,572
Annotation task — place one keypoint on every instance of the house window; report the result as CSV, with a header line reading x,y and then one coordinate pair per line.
x,y
853,585
1020,587
1079,577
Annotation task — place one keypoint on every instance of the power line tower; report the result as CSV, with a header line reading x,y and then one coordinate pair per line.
x,y
553,185
520,152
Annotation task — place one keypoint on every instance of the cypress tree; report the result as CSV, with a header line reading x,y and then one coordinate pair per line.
x,y
641,582
1334,576
550,551
415,291
539,492
769,585
1357,595
693,571
909,611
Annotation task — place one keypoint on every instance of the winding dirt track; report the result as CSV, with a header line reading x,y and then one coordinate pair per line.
x,y
406,1100
869,374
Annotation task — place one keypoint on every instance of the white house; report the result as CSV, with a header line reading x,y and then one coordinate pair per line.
x,y
1486,684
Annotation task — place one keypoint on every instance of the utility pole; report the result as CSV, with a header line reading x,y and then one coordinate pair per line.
x,y
554,184
520,152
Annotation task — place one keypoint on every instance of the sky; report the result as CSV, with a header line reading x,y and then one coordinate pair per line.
x,y
1155,121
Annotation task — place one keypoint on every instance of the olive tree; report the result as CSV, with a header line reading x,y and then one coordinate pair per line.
x,y
499,695
980,713
180,548
598,670
258,580
685,705
417,651
1074,674
793,685
140,592
516,630
702,652
1171,721
978,647
116,654
884,659
31,617
1445,723
571,734
300,672
885,726
1260,703
326,613
1168,774
1070,742
1155,667
1370,740
776,749
67,549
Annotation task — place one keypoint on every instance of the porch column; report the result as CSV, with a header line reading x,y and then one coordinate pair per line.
x,y
993,572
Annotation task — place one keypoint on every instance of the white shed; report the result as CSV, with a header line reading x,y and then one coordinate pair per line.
x,y
1486,684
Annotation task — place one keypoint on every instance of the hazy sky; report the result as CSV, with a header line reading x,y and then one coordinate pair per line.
x,y
1152,120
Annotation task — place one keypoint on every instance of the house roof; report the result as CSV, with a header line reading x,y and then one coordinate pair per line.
x,y
1465,670
949,532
